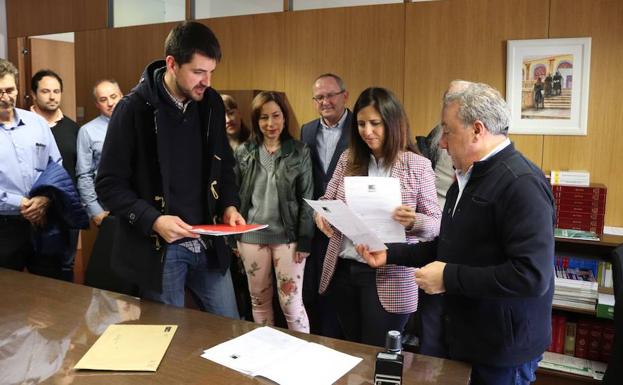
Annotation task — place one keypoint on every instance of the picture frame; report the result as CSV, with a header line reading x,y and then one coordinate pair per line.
x,y
547,85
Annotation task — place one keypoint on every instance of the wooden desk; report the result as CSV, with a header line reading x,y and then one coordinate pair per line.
x,y
47,325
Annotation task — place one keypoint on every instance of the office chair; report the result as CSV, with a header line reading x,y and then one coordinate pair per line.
x,y
614,373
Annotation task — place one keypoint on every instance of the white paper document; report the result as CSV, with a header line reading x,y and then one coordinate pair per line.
x,y
374,200
282,358
349,224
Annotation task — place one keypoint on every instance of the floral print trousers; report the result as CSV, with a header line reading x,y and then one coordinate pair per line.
x,y
258,261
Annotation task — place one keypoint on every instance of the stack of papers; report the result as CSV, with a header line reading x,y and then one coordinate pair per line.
x,y
575,365
282,358
217,230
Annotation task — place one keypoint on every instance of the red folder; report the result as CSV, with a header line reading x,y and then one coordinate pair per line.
x,y
221,229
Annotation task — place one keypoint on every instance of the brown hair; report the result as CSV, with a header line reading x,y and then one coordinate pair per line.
x,y
256,110
231,104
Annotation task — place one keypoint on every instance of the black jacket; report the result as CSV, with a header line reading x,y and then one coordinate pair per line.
x,y
133,181
308,136
499,250
294,183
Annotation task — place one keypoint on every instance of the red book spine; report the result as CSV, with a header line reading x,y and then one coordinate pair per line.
x,y
581,339
554,333
585,210
596,188
582,206
578,196
585,217
561,325
579,225
607,343
594,341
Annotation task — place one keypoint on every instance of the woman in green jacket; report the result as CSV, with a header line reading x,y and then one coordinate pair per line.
x,y
274,173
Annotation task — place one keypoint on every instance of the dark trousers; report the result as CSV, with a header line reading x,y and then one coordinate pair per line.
x,y
320,310
17,252
360,313
15,242
430,310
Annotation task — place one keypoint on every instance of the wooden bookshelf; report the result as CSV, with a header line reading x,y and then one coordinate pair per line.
x,y
600,250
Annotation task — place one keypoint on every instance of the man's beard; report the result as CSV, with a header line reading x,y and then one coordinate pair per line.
x,y
46,108
6,107
188,93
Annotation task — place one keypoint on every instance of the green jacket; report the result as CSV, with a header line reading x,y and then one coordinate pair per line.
x,y
293,173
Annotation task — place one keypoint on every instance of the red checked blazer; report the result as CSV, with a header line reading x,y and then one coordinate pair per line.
x,y
395,285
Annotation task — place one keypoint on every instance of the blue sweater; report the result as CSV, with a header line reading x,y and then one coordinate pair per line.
x,y
499,250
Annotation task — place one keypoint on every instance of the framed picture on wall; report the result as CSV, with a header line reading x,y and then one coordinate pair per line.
x,y
547,85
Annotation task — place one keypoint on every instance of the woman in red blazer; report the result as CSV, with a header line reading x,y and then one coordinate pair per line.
x,y
369,301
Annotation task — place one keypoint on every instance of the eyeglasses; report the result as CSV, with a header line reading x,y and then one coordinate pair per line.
x,y
9,91
329,96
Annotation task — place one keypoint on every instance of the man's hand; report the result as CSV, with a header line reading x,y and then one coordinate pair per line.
x,y
300,256
100,217
430,278
373,258
35,209
232,217
405,215
323,225
171,228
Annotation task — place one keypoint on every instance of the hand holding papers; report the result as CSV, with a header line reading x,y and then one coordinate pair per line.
x,y
374,200
349,224
221,229
282,358
367,219
129,347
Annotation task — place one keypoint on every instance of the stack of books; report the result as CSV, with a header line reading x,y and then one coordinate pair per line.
x,y
575,284
580,207
582,338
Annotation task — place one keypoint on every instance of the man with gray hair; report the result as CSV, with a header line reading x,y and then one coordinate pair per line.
x,y
493,259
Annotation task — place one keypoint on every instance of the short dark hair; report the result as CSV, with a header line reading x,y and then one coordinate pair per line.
x,y
256,110
188,38
7,68
34,83
396,125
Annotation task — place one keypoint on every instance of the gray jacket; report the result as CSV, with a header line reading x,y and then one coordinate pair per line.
x,y
293,171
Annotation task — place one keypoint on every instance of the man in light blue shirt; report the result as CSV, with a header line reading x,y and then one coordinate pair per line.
x,y
90,140
27,146
327,137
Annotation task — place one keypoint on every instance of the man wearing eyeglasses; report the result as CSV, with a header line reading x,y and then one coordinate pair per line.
x,y
327,137
27,145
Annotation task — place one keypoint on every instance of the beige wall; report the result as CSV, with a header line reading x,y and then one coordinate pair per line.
x,y
415,49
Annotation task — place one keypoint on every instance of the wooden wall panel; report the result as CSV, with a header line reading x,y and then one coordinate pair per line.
x,y
464,39
59,57
37,17
600,151
364,45
254,55
92,64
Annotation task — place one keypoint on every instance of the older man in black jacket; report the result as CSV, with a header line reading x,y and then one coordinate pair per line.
x,y
494,257
166,165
